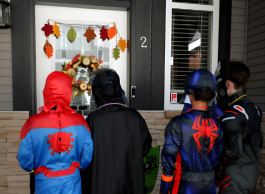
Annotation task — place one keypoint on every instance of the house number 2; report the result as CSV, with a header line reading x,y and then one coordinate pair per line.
x,y
143,46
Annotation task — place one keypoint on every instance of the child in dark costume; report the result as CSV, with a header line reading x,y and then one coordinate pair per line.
x,y
242,135
193,140
121,140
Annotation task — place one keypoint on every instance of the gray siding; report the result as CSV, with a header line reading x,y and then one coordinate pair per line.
x,y
256,52
238,30
6,90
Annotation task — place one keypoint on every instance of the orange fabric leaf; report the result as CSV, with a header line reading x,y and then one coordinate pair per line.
x,y
112,32
49,51
122,44
90,34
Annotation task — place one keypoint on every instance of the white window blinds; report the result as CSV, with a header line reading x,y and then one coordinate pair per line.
x,y
191,35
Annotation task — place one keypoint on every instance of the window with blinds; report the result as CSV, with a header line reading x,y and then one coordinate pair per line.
x,y
191,35
206,2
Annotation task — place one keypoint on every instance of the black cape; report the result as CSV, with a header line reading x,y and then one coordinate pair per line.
x,y
121,140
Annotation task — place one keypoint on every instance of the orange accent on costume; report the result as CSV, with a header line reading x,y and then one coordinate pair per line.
x,y
237,107
177,176
167,178
231,111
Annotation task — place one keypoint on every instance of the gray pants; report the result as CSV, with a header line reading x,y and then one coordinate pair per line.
x,y
239,179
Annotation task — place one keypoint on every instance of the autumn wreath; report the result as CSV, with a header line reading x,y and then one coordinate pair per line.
x,y
70,68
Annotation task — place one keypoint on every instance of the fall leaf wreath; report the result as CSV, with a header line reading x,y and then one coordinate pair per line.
x,y
70,68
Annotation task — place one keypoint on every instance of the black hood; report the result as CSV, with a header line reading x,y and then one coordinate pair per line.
x,y
107,88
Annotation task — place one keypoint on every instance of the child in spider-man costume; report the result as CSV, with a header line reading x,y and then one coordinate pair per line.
x,y
56,143
193,140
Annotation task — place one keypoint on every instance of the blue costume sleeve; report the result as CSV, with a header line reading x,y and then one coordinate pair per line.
x,y
169,153
87,151
25,153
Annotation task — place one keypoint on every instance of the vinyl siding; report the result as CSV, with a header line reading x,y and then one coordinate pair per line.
x,y
238,30
256,52
6,90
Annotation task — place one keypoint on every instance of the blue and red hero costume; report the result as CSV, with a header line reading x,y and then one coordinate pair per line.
x,y
56,144
191,153
193,146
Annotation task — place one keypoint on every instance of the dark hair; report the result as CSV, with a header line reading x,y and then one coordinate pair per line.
x,y
204,96
240,72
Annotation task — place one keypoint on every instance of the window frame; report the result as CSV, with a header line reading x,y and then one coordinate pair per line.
x,y
214,10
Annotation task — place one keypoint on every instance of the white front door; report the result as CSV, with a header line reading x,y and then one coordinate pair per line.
x,y
64,50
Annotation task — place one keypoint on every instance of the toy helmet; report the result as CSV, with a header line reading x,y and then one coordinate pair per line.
x,y
197,81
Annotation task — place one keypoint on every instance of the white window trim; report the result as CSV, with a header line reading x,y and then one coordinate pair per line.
x,y
214,9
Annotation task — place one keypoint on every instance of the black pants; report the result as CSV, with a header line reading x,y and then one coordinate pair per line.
x,y
239,179
32,183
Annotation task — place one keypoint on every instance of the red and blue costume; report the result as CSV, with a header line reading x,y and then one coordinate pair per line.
x,y
56,143
191,153
193,143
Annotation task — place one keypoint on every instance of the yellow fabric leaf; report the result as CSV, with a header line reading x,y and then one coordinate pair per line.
x,y
56,30
122,44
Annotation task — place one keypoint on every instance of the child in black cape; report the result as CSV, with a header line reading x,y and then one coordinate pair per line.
x,y
121,140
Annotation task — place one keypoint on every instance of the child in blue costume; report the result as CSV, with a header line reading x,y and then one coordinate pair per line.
x,y
56,144
193,140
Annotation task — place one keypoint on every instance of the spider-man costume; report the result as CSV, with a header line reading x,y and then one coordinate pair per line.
x,y
242,140
56,143
198,140
193,143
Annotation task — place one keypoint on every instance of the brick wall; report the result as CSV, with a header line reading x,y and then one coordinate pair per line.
x,y
157,122
13,179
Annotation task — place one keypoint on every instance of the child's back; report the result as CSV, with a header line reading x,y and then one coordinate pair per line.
x,y
193,142
199,140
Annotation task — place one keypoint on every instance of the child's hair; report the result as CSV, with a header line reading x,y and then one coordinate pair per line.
x,y
204,96
240,72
